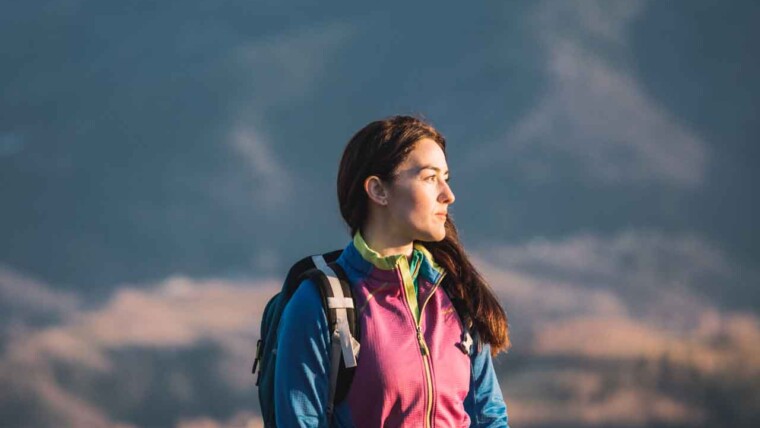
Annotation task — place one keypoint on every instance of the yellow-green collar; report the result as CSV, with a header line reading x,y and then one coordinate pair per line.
x,y
372,256
388,262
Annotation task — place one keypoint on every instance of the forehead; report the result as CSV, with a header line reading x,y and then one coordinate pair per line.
x,y
426,153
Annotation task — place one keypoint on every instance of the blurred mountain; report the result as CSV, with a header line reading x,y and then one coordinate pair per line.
x,y
625,332
179,352
587,352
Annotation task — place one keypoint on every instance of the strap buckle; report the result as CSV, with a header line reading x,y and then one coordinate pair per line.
x,y
465,345
258,356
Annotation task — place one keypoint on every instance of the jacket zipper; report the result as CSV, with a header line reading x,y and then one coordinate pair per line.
x,y
428,379
425,351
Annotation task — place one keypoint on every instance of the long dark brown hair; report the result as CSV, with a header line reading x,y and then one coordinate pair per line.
x,y
378,149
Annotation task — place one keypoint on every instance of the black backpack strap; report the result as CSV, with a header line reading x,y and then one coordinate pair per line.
x,y
299,270
346,374
338,302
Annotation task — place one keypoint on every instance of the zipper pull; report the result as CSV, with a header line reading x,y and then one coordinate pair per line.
x,y
423,346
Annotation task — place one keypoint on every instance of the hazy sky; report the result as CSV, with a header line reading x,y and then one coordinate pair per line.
x,y
143,140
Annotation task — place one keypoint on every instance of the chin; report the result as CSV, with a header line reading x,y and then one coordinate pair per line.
x,y
433,236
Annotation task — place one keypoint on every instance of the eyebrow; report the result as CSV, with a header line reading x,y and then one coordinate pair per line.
x,y
434,168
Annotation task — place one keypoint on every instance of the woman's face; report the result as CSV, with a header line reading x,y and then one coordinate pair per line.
x,y
419,196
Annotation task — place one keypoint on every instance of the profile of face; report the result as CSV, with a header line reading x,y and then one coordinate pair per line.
x,y
418,198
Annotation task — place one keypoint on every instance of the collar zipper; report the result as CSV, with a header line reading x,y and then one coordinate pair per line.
x,y
425,351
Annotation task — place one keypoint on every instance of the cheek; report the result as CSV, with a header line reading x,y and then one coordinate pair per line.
x,y
404,208
415,205
421,203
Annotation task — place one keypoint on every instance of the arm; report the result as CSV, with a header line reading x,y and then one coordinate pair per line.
x,y
303,363
484,403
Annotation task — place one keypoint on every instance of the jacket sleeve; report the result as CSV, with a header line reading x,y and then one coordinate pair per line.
x,y
301,372
484,402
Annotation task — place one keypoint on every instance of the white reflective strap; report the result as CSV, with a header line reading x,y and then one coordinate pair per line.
x,y
346,342
336,303
319,262
346,339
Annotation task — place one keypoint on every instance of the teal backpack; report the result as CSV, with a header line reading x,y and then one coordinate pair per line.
x,y
338,303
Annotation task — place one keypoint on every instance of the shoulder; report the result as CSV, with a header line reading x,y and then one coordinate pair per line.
x,y
303,321
306,302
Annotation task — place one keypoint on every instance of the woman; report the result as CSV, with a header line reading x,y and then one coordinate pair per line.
x,y
414,368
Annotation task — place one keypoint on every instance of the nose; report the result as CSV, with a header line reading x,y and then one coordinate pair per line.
x,y
447,195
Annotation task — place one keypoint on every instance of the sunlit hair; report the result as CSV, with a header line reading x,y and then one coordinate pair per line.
x,y
378,149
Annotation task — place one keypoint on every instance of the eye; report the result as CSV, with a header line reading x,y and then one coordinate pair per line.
x,y
431,178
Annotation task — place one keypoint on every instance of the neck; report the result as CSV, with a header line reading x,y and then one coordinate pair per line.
x,y
380,238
